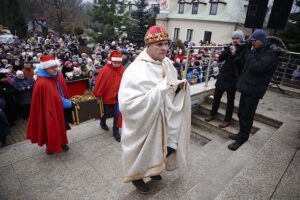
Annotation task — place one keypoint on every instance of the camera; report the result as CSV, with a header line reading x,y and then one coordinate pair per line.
x,y
246,43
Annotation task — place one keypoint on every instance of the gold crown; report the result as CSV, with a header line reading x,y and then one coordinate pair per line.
x,y
161,36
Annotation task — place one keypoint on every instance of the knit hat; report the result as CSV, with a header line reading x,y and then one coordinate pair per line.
x,y
156,34
115,56
19,72
238,34
259,35
48,61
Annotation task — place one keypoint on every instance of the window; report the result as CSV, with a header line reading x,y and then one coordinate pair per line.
x,y
213,8
195,8
207,36
176,33
189,35
181,8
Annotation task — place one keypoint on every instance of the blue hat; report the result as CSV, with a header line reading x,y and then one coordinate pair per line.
x,y
259,35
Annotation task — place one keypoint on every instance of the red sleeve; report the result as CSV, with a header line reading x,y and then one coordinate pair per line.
x,y
102,82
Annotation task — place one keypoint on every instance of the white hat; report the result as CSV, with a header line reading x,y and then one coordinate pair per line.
x,y
48,61
19,72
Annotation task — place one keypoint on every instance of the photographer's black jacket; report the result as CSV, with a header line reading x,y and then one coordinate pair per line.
x,y
229,71
259,67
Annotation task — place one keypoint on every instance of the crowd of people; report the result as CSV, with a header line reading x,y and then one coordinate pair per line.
x,y
19,62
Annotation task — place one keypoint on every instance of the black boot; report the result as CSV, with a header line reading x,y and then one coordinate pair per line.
x,y
116,134
141,186
234,146
104,127
3,140
170,151
233,136
65,148
157,177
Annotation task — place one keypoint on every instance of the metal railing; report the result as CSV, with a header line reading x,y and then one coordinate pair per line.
x,y
288,70
207,71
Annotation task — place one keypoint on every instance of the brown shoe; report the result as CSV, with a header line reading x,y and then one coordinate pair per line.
x,y
234,146
209,118
233,136
141,186
224,124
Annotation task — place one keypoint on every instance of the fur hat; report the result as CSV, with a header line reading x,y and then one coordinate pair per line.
x,y
48,61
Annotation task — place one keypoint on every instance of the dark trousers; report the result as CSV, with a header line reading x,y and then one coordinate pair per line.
x,y
230,103
247,108
25,109
108,110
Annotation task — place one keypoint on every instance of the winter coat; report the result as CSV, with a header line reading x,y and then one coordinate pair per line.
x,y
228,73
24,90
259,67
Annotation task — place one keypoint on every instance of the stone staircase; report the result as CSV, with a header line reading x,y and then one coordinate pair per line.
x,y
255,171
249,172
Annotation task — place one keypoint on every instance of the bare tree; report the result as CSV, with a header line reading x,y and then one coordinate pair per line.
x,y
64,14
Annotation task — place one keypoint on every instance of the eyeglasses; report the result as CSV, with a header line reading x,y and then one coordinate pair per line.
x,y
235,38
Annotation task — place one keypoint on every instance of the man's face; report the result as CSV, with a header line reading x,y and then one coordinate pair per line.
x,y
158,50
116,64
256,43
236,41
52,70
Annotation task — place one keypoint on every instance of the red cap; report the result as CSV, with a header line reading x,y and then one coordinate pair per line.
x,y
115,56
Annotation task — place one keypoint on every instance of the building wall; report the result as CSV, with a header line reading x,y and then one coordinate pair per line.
x,y
234,11
229,17
221,32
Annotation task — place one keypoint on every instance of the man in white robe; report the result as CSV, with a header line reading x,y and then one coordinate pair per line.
x,y
156,109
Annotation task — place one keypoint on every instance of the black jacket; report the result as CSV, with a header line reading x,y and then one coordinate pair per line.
x,y
229,71
259,67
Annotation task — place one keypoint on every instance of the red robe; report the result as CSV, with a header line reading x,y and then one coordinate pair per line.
x,y
108,83
46,124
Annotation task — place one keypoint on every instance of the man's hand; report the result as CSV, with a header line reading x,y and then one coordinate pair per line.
x,y
233,50
181,85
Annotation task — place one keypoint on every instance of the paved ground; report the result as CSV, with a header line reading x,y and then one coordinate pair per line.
x,y
92,168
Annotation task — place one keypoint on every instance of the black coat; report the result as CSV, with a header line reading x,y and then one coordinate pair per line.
x,y
229,71
259,67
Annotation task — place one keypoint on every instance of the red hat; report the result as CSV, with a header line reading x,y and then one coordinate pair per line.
x,y
48,61
156,34
116,56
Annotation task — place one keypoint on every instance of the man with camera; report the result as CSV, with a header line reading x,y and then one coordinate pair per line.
x,y
260,62
227,78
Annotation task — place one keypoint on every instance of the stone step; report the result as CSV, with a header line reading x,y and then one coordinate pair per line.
x,y
205,108
209,134
257,117
268,169
217,177
212,126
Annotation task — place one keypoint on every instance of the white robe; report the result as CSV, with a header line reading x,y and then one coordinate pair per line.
x,y
153,117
